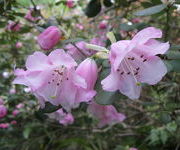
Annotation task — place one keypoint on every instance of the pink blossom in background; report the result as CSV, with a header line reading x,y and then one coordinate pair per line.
x,y
132,148
79,26
19,45
53,78
89,71
12,91
4,125
49,38
80,52
1,101
135,61
63,117
13,122
136,20
106,115
106,17
15,112
29,16
13,26
20,105
70,3
103,24
3,111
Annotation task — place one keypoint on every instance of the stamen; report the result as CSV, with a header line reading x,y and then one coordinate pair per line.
x,y
144,60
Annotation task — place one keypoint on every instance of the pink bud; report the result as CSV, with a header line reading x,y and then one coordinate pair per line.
x,y
3,111
136,20
70,3
79,26
4,125
13,122
49,38
13,26
89,71
29,16
19,45
103,24
68,119
15,112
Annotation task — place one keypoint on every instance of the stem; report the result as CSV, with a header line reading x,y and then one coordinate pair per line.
x,y
167,27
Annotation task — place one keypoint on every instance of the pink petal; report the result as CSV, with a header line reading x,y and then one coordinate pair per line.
x,y
129,87
79,81
152,71
37,61
146,34
59,57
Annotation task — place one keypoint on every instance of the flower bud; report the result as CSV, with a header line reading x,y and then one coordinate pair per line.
x,y
29,16
3,111
103,24
19,45
13,26
49,38
70,3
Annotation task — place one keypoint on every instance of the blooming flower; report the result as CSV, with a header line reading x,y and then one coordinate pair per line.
x,y
103,24
3,111
49,38
135,61
13,26
106,115
20,105
63,117
19,45
53,78
29,16
4,125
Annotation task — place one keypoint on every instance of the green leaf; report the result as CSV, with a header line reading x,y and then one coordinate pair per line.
x,y
151,10
127,27
27,132
163,136
173,55
173,65
93,8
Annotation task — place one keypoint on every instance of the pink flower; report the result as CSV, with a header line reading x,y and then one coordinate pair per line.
x,y
89,71
135,61
13,122
29,16
70,3
62,117
19,45
103,24
132,148
13,26
3,111
49,38
79,26
20,105
106,115
12,91
15,112
1,101
52,78
4,125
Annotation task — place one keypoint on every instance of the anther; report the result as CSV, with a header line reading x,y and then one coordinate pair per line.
x,y
144,60
142,56
132,58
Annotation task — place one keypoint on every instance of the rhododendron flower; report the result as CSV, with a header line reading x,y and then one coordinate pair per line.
x,y
29,16
19,45
15,112
49,38
135,61
13,26
4,125
53,78
13,122
106,115
70,3
3,111
20,105
89,71
63,117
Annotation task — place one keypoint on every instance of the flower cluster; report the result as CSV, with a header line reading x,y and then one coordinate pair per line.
x,y
59,80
